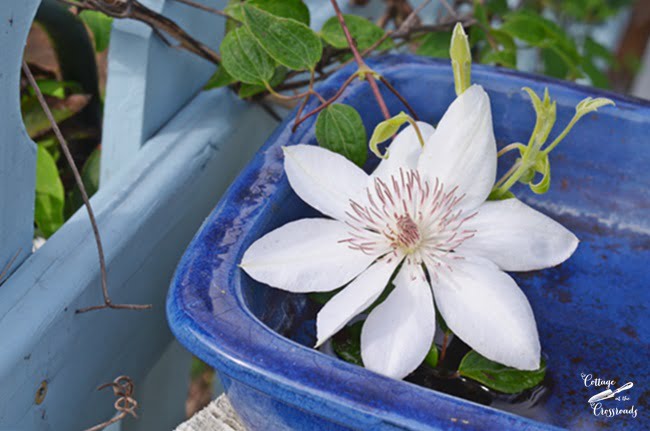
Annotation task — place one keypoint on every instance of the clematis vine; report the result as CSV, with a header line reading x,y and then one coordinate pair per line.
x,y
422,221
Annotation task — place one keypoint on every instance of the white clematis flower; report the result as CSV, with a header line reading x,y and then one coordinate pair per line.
x,y
423,208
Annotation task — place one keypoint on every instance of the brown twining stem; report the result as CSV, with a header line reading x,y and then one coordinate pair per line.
x,y
369,75
205,8
84,195
125,404
328,102
300,109
396,11
400,97
412,19
363,72
449,8
443,25
9,265
306,99
135,10
403,31
302,82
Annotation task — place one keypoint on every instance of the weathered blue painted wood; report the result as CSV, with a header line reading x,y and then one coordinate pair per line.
x,y
17,151
162,396
161,400
147,215
149,82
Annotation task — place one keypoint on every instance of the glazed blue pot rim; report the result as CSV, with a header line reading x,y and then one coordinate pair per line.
x,y
208,332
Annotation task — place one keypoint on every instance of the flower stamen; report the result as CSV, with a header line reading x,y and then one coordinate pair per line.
x,y
407,214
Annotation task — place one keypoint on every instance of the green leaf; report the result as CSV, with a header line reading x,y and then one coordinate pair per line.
x,y
503,39
75,54
198,368
432,357
541,32
525,28
339,128
51,144
100,25
221,78
54,88
289,42
385,130
435,45
90,180
292,9
497,7
594,49
249,90
503,58
477,32
441,322
597,77
323,297
90,172
590,11
50,198
347,343
364,32
542,29
233,8
480,13
244,59
35,120
554,65
499,377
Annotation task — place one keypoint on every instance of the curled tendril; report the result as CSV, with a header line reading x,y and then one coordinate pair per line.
x,y
123,388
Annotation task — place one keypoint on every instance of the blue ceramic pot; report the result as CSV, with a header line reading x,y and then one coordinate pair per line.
x,y
591,311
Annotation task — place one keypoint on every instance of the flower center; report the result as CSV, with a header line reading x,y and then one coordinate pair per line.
x,y
407,214
408,234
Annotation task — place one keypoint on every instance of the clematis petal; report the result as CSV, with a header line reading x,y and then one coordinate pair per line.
x,y
486,309
399,332
305,256
517,237
404,151
354,298
462,151
324,179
